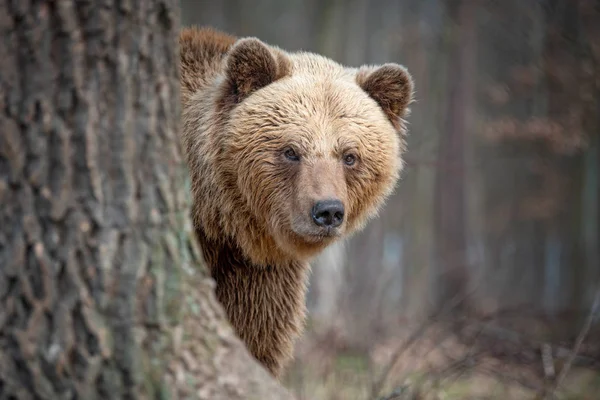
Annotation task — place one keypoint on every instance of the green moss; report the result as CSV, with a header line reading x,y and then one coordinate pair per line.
x,y
173,298
211,342
154,360
190,380
193,306
164,393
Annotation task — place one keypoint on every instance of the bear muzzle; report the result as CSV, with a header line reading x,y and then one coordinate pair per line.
x,y
328,213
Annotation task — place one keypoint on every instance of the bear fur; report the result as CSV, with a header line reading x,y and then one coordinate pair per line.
x,y
271,136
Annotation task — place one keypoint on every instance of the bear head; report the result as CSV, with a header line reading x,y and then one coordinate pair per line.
x,y
306,150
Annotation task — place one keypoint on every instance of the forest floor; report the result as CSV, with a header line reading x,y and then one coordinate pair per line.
x,y
439,363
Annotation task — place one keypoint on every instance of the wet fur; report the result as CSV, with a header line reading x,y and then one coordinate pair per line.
x,y
243,103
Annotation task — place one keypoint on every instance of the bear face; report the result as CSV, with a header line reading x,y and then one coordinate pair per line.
x,y
307,150
287,152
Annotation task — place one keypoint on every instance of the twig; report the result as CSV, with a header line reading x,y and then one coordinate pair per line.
x,y
580,338
510,378
398,394
516,338
548,361
378,385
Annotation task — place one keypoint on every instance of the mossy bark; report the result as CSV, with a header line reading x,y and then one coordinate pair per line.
x,y
102,289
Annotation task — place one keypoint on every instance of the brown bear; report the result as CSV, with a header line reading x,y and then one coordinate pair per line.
x,y
287,153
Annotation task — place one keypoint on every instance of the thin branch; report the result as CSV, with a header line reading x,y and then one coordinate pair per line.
x,y
378,385
582,334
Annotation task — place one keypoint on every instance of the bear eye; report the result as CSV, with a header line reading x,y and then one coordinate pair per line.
x,y
291,155
349,159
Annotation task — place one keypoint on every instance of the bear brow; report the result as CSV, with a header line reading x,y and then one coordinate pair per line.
x,y
266,139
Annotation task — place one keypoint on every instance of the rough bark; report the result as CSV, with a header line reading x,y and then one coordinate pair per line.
x,y
102,289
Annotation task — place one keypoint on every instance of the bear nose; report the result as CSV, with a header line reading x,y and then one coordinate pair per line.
x,y
328,213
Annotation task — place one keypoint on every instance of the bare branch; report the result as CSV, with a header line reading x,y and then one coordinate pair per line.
x,y
457,300
580,338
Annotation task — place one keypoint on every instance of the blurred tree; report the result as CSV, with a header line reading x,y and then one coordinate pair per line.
x,y
100,291
450,196
539,136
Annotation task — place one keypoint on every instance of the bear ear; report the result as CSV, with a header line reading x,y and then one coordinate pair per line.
x,y
391,86
252,65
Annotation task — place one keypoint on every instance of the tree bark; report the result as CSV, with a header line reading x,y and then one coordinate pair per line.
x,y
103,292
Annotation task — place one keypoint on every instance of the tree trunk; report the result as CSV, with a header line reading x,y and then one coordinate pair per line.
x,y
450,180
102,289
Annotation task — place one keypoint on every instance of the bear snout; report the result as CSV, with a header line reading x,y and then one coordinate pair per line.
x,y
328,213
